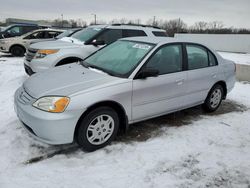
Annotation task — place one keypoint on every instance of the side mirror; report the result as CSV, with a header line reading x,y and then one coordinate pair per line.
x,y
98,42
147,72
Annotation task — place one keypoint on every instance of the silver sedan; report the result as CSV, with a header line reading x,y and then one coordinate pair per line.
x,y
128,81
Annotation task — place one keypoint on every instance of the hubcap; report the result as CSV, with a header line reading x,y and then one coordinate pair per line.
x,y
215,98
100,129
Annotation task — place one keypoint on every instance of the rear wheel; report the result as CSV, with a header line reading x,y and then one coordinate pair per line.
x,y
98,129
214,98
17,51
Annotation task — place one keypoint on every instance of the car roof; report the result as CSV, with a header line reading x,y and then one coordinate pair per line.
x,y
128,26
164,40
23,24
75,29
50,29
158,40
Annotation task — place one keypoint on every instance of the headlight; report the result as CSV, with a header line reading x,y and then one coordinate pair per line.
x,y
43,53
3,42
52,104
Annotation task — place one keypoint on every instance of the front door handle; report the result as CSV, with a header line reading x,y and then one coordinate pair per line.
x,y
214,75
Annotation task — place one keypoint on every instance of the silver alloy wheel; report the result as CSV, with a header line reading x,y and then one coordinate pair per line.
x,y
215,98
100,129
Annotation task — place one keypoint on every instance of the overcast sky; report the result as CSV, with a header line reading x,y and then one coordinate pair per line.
x,y
234,13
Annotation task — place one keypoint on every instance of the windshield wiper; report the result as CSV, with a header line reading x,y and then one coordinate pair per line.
x,y
102,69
87,65
84,64
96,67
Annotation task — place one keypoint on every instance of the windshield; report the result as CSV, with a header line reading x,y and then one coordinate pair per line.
x,y
6,28
86,34
119,58
2,28
65,33
29,33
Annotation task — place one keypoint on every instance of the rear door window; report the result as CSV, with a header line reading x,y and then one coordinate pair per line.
x,y
133,33
197,57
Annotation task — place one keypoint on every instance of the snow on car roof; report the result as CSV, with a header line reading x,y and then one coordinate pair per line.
x,y
153,40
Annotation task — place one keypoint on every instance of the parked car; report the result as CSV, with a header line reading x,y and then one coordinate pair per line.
x,y
18,30
17,45
41,56
65,33
128,81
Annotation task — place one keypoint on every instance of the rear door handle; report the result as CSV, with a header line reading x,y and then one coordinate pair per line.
x,y
179,81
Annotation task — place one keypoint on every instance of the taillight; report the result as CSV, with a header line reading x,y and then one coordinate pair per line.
x,y
235,67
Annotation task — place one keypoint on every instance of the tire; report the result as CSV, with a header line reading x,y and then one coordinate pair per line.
x,y
17,51
214,98
92,135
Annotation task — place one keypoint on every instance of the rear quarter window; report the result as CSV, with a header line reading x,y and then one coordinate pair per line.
x,y
159,33
212,59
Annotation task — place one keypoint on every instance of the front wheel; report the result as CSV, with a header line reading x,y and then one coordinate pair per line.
x,y
214,98
17,51
98,129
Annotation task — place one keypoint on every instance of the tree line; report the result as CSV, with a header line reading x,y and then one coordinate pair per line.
x,y
171,26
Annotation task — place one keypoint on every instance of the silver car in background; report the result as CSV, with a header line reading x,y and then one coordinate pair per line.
x,y
128,81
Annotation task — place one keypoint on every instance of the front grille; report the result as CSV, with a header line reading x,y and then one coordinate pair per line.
x,y
24,97
30,54
28,70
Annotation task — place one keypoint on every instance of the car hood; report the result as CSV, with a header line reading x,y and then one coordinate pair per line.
x,y
67,80
57,44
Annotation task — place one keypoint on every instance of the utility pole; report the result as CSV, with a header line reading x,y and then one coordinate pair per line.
x,y
154,21
94,18
62,19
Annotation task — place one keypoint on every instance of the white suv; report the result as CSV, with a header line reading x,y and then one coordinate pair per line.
x,y
43,55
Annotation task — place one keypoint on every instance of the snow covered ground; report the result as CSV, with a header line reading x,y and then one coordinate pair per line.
x,y
184,149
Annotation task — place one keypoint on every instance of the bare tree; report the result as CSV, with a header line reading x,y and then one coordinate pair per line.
x,y
123,21
200,26
73,23
174,26
81,23
215,25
